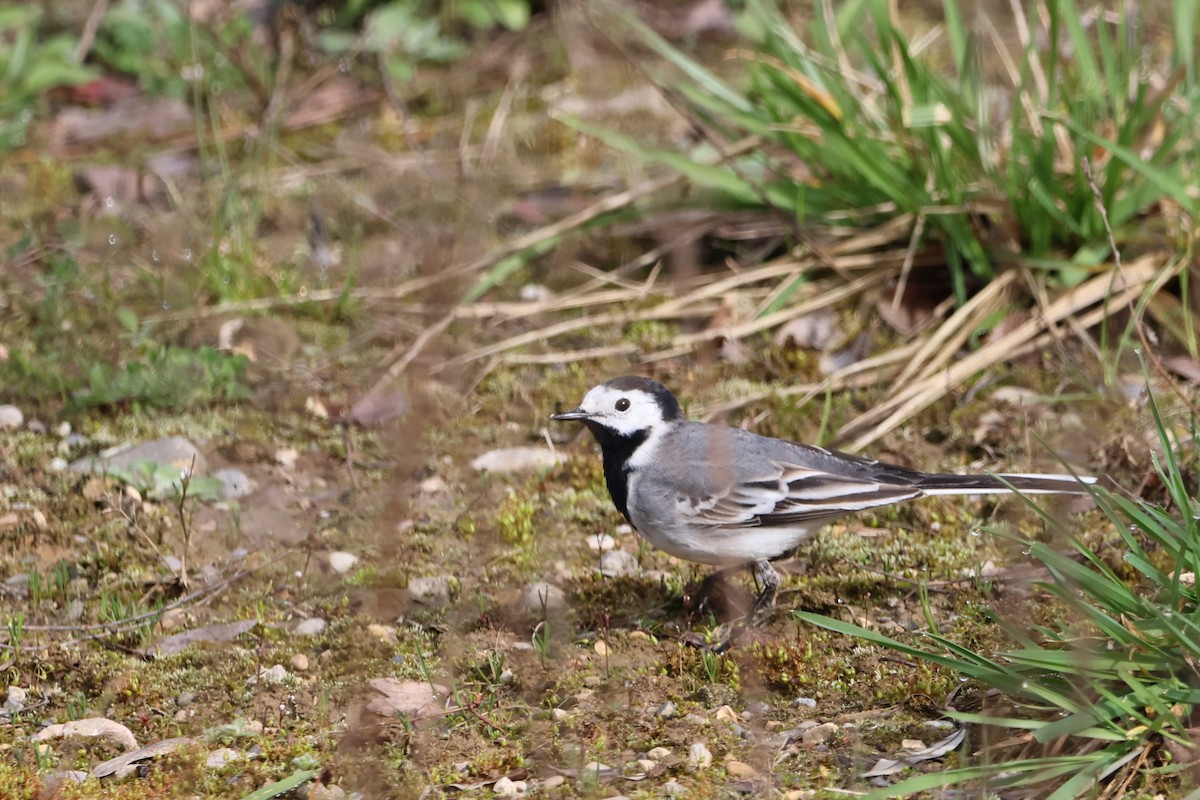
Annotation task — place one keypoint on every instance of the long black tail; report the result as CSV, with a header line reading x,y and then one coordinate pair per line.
x,y
1000,484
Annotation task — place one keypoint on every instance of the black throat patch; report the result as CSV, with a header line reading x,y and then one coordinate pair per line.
x,y
616,450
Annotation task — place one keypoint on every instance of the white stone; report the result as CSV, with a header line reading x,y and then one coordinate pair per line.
x,y
11,417
699,756
312,626
286,457
602,543
342,562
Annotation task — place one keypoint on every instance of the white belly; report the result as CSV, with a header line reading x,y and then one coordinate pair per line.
x,y
723,548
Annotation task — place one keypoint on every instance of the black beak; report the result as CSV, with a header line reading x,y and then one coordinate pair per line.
x,y
575,414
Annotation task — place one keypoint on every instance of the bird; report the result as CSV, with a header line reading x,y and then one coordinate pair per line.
x,y
730,498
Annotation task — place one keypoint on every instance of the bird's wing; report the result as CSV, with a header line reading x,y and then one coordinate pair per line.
x,y
788,494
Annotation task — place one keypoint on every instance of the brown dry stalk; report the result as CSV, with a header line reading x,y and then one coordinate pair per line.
x,y
915,397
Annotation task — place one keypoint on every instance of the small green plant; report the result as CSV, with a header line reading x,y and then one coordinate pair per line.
x,y
170,54
37,587
541,642
61,578
516,518
31,62
16,629
77,706
711,661
166,377
164,481
404,33
489,670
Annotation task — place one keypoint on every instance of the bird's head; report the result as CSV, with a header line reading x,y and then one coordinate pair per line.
x,y
626,406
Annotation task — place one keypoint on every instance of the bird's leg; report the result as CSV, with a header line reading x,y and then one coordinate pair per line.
x,y
767,579
699,602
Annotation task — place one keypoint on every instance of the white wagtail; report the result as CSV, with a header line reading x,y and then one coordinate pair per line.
x,y
727,497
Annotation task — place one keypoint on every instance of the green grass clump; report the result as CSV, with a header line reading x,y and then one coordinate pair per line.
x,y
859,125
167,377
1106,688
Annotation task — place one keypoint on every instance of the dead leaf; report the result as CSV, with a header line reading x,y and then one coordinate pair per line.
x,y
91,728
815,331
376,408
1184,366
889,766
155,120
115,766
119,184
330,102
223,632
412,699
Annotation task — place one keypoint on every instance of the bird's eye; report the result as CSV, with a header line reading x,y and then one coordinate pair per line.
x,y
623,404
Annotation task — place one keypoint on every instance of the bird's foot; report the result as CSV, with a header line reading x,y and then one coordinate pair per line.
x,y
764,602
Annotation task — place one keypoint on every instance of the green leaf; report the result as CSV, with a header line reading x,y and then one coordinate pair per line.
x,y
1171,185
293,781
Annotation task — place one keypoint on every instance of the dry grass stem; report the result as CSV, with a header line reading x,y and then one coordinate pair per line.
x,y
919,395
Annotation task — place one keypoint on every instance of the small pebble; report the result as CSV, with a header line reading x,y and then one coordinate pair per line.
x,y
58,464
699,756
674,788
518,459
220,757
553,782
644,765
433,485
601,648
559,714
185,699
299,662
39,519
312,626
11,417
542,598
601,543
666,711
658,753
725,714
234,483
740,769
820,734
384,633
433,591
286,457
594,767
616,563
322,792
274,674
806,702
62,430
342,562
15,700
506,787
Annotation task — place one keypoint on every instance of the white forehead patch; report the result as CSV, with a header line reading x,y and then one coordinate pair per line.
x,y
607,405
